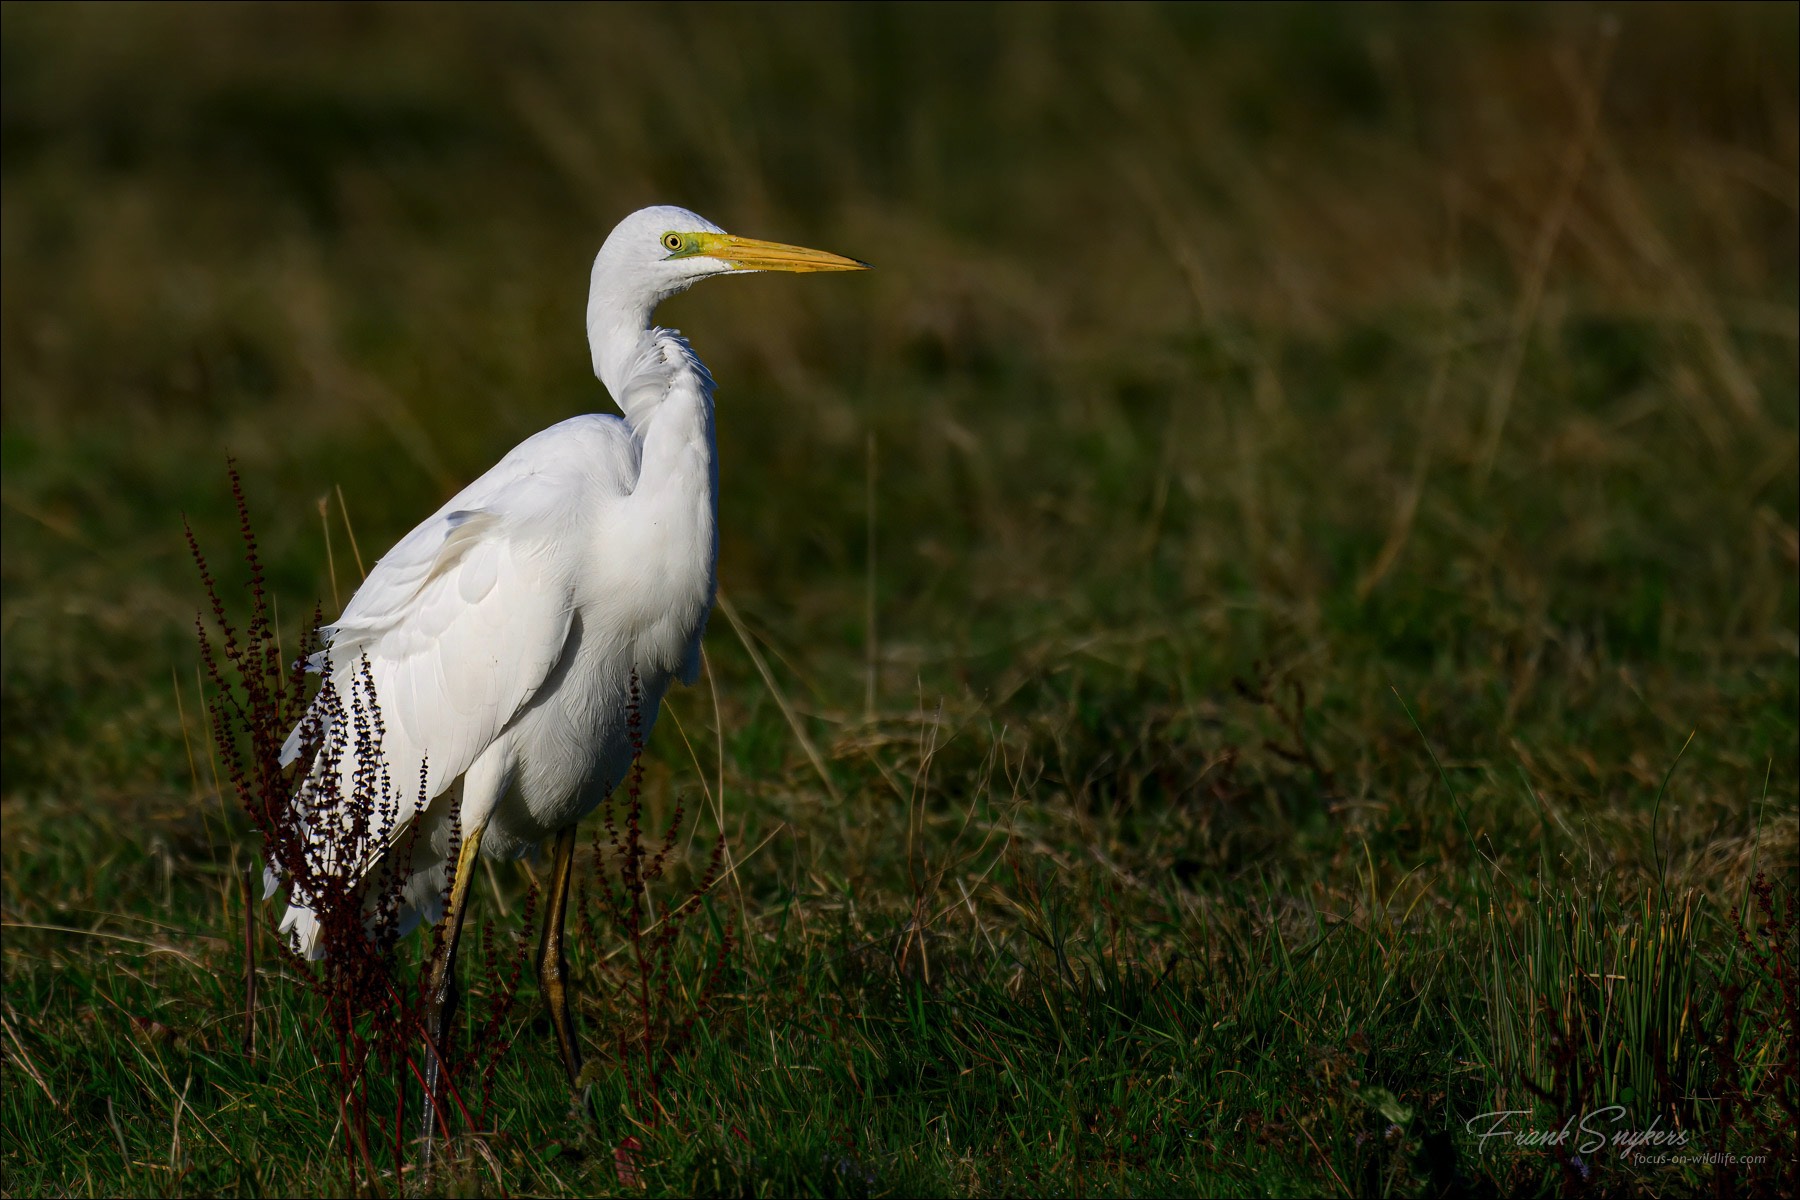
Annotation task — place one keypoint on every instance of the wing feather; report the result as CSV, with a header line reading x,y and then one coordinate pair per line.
x,y
460,624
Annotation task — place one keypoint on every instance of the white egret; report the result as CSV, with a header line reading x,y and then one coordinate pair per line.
x,y
502,636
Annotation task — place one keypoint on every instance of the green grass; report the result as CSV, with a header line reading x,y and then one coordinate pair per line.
x,y
1327,512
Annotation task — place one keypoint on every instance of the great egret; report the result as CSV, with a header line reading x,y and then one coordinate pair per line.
x,y
503,634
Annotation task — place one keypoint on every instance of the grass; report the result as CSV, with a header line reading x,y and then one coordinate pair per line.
x,y
1265,630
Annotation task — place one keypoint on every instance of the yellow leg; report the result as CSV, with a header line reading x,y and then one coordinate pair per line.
x,y
442,996
553,965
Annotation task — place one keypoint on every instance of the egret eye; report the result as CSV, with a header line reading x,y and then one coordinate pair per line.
x,y
672,241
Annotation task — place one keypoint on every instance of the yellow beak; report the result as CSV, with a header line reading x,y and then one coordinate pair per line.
x,y
748,254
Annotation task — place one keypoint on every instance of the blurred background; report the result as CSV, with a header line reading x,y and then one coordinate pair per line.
x,y
1229,376
1448,347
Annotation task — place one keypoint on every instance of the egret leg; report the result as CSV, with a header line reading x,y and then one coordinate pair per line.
x,y
442,996
553,965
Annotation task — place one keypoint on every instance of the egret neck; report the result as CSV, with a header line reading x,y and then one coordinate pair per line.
x,y
665,393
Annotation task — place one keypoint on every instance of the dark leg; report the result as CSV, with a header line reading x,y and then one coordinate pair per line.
x,y
553,966
442,996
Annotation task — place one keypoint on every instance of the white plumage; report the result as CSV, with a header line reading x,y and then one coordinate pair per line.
x,y
502,634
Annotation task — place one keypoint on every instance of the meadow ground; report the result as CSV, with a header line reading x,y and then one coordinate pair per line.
x,y
1263,632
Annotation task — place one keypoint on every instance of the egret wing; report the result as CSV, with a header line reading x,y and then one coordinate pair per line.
x,y
457,628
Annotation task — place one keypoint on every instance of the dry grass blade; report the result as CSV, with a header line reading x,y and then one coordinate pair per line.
x,y
153,947
20,1055
1588,105
780,697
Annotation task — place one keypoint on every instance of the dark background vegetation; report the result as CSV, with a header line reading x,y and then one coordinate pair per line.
x,y
1242,569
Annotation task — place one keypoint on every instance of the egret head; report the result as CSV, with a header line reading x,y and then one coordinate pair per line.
x,y
656,252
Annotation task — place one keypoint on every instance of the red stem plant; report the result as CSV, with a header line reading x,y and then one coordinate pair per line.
x,y
624,863
337,852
